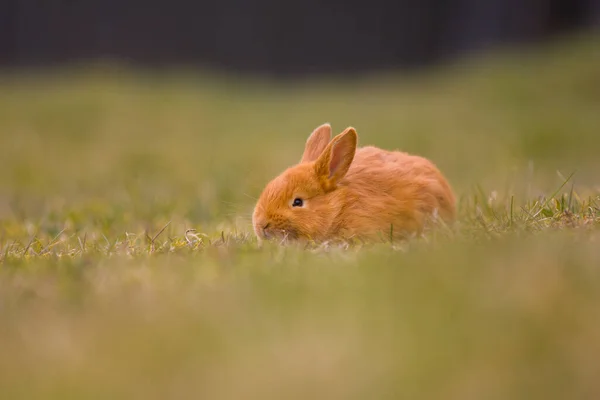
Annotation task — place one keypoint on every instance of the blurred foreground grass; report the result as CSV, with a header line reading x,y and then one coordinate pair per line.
x,y
128,268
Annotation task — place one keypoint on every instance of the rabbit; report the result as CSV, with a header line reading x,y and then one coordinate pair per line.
x,y
339,191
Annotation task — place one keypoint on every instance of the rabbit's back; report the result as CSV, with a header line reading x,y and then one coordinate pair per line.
x,y
386,188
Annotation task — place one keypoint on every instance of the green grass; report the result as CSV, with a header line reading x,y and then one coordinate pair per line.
x,y
128,267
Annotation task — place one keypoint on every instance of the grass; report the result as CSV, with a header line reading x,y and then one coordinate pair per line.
x,y
128,268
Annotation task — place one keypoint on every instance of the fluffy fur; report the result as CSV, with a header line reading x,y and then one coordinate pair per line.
x,y
348,192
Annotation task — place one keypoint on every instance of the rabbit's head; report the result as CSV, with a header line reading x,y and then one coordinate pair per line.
x,y
306,199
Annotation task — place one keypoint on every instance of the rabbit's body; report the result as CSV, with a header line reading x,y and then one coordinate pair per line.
x,y
347,192
389,191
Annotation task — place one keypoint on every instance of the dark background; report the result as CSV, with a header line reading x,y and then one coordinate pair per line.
x,y
274,36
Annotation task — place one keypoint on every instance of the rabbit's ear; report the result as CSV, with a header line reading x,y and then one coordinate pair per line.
x,y
316,143
333,164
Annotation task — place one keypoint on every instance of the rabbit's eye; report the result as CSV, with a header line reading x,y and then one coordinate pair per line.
x,y
297,202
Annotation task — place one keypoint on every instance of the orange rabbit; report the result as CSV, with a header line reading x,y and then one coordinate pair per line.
x,y
339,192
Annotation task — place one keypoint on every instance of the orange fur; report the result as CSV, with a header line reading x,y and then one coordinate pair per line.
x,y
348,192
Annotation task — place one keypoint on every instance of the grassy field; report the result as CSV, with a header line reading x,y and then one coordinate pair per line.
x,y
128,267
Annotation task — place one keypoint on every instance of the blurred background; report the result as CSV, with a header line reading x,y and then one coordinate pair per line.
x,y
275,38
165,102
